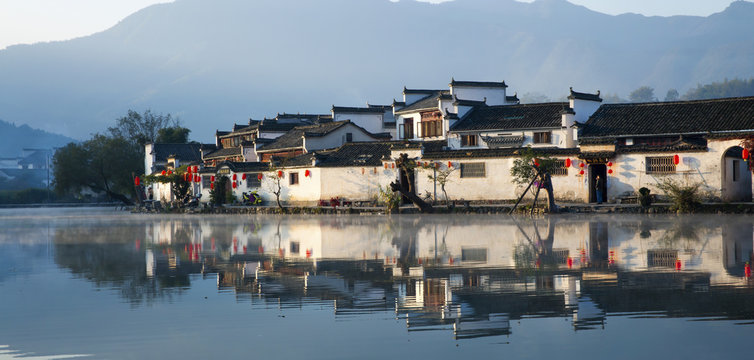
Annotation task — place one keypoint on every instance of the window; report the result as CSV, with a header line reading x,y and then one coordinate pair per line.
x,y
349,137
474,255
660,165
206,181
295,247
252,180
408,128
468,140
544,137
472,170
559,168
293,178
736,171
431,128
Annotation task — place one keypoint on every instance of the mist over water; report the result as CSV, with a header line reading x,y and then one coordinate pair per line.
x,y
117,285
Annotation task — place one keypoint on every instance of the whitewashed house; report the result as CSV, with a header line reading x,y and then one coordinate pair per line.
x,y
639,145
376,119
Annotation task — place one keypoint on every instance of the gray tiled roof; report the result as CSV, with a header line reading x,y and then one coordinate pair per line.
x,y
680,117
293,139
245,166
478,83
349,109
427,103
350,154
494,153
495,142
512,117
222,153
184,152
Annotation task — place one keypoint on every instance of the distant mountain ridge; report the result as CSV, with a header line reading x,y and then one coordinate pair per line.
x,y
15,138
213,63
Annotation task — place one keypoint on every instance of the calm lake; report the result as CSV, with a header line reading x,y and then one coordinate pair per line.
x,y
101,283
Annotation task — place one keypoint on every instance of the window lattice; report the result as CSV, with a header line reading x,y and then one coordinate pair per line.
x,y
472,170
559,168
660,165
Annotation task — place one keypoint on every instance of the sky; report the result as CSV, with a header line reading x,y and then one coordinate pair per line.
x,y
31,21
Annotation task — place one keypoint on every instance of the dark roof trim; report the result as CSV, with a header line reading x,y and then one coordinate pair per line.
x,y
501,84
584,96
355,110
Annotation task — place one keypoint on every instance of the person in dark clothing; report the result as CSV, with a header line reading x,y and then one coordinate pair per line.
x,y
598,188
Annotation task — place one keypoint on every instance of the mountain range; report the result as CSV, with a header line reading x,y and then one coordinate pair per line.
x,y
213,63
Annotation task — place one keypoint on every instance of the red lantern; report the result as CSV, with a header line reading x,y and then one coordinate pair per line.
x,y
385,165
243,177
392,165
163,172
235,185
745,154
235,177
170,172
212,186
581,172
678,264
450,164
212,178
676,159
197,178
259,177
196,168
280,174
137,181
570,262
609,171
747,270
609,163
581,165
307,173
419,163
536,162
568,162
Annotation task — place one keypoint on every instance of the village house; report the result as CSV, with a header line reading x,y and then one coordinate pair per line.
x,y
376,119
474,131
304,139
692,142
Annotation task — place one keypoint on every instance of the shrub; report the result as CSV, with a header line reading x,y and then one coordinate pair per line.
x,y
684,197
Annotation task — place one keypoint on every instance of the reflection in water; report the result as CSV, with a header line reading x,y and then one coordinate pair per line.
x,y
469,275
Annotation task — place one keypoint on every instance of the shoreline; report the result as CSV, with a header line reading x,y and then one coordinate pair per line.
x,y
495,209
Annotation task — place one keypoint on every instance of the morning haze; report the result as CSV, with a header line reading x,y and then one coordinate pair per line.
x,y
220,62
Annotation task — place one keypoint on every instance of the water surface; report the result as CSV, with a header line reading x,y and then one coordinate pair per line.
x,y
109,284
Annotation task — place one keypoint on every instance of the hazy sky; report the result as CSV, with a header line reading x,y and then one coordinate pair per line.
x,y
30,21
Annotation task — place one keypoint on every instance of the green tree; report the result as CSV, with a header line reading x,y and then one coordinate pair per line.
x,y
643,94
107,162
102,163
173,135
145,128
727,88
672,95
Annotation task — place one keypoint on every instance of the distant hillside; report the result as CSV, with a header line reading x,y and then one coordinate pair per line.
x,y
14,138
217,62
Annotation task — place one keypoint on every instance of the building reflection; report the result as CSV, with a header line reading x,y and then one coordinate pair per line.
x,y
470,276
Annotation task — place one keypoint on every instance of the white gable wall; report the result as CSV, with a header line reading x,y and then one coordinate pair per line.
x,y
494,95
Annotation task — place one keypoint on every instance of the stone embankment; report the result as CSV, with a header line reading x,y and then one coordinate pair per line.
x,y
711,208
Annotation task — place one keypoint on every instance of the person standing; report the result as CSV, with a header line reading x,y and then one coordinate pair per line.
x,y
598,188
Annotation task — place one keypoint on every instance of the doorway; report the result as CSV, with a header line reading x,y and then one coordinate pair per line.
x,y
594,171
735,176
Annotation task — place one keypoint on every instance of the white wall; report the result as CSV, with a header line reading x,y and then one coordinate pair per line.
x,y
583,109
372,122
336,138
494,95
148,159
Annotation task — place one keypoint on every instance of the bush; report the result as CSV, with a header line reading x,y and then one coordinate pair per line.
x,y
644,198
685,198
